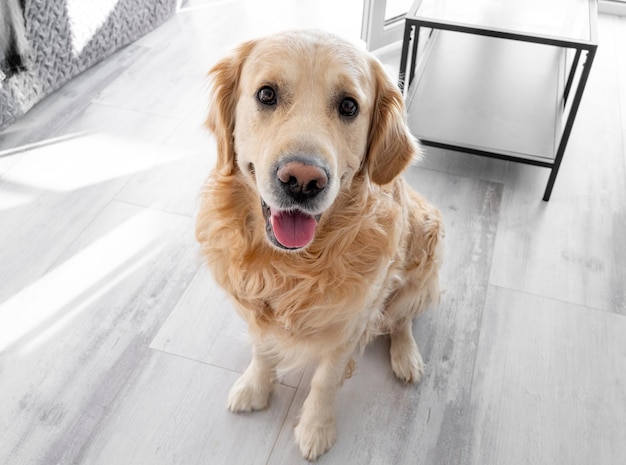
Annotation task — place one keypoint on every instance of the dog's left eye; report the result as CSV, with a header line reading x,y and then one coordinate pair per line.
x,y
266,95
348,107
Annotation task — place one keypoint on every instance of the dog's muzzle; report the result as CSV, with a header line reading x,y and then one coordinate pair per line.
x,y
299,189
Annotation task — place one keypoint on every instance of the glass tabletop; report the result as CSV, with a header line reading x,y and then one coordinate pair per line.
x,y
562,19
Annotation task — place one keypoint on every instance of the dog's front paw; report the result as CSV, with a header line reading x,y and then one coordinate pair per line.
x,y
315,437
406,362
248,394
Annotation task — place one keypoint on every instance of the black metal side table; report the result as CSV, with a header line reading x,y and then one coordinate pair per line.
x,y
502,79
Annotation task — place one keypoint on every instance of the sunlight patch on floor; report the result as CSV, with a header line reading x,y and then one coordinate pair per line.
x,y
79,162
44,308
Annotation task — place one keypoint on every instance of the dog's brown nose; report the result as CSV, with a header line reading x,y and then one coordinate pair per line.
x,y
302,180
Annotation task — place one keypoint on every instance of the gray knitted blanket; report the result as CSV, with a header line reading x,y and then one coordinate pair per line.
x,y
44,43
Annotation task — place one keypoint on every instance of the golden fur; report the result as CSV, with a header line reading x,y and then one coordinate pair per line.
x,y
373,263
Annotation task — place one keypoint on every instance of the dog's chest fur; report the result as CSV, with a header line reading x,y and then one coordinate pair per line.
x,y
334,287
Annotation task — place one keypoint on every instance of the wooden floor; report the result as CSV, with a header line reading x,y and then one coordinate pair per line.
x,y
117,348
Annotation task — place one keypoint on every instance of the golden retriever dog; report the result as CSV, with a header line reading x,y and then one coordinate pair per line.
x,y
306,222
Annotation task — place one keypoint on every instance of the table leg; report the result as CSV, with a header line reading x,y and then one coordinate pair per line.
x,y
416,40
405,54
572,73
570,122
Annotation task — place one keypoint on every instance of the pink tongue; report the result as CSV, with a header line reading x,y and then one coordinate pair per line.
x,y
293,229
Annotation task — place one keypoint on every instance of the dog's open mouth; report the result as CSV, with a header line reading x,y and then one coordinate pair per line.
x,y
289,229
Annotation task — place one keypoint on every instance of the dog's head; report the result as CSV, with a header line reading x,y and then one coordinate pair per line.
x,y
300,115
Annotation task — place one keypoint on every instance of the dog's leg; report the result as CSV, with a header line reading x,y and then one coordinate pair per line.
x,y
410,301
253,389
406,361
316,432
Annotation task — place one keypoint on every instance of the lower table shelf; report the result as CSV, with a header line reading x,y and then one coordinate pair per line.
x,y
487,94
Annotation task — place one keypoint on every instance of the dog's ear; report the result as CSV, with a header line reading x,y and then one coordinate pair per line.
x,y
223,97
391,147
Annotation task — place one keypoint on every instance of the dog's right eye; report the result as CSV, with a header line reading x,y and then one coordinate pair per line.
x,y
266,95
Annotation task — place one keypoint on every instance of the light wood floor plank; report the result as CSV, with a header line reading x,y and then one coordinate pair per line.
x,y
174,412
97,118
549,384
172,186
204,327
